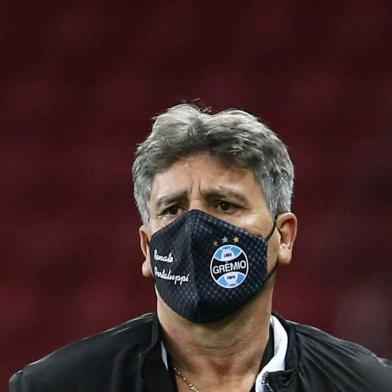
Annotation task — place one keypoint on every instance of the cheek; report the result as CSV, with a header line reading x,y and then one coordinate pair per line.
x,y
157,224
250,222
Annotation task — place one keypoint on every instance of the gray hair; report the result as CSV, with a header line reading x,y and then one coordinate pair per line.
x,y
232,134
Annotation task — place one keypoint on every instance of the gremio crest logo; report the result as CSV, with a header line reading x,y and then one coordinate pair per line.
x,y
229,266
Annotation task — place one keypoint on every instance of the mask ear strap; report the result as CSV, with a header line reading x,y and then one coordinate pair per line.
x,y
271,272
272,231
267,239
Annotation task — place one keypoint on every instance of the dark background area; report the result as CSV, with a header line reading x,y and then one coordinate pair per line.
x,y
79,84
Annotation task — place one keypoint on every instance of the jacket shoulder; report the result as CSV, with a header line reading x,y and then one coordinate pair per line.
x,y
348,366
93,357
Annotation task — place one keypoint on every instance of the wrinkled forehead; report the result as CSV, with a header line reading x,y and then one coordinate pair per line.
x,y
226,159
202,172
204,163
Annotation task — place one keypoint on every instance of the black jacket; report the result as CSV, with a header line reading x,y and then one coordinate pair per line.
x,y
127,358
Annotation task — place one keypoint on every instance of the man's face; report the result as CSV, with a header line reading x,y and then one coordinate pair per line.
x,y
224,190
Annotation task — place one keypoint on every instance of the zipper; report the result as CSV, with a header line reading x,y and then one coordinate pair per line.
x,y
266,385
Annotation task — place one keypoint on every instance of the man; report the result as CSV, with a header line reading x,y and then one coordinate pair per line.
x,y
214,193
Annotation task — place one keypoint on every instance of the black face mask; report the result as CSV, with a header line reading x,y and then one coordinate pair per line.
x,y
206,269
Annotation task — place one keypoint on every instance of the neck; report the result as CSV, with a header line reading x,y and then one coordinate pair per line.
x,y
224,355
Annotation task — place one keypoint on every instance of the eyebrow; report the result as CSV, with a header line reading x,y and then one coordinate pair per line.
x,y
222,192
170,198
209,193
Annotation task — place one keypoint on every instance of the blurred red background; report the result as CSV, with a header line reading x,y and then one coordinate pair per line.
x,y
79,84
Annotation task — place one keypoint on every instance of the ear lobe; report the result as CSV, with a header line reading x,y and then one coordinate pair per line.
x,y
144,235
287,227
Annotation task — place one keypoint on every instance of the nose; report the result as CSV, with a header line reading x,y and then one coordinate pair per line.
x,y
197,204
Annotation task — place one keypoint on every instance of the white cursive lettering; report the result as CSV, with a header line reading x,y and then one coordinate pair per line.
x,y
166,259
169,276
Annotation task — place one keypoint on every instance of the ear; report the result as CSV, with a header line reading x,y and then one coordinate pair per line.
x,y
144,234
286,224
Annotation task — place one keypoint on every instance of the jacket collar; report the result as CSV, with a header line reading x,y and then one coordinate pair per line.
x,y
155,376
282,380
153,372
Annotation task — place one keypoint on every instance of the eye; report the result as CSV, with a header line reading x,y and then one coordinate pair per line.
x,y
171,210
225,206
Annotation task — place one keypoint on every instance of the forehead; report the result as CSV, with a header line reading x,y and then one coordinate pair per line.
x,y
203,171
